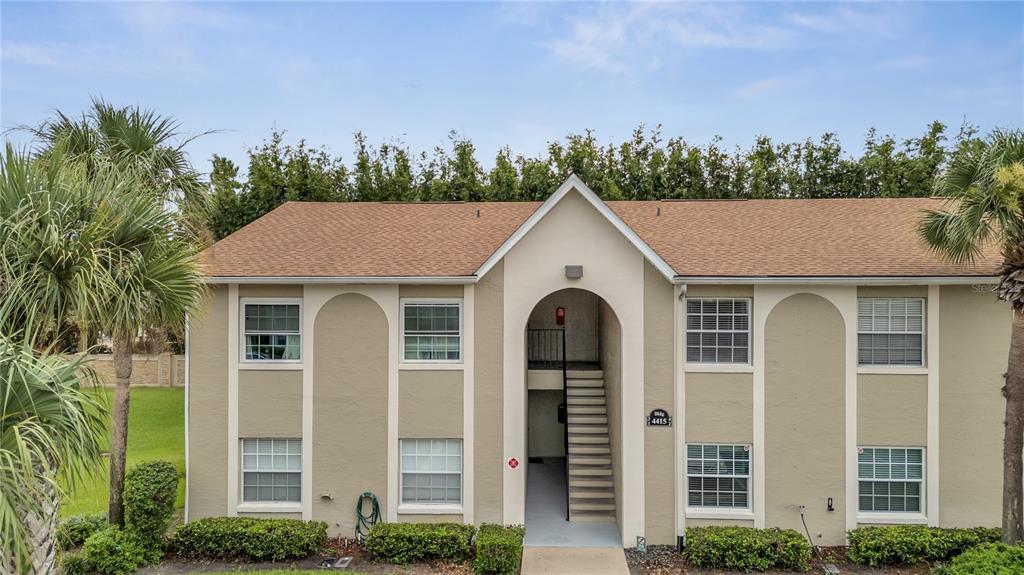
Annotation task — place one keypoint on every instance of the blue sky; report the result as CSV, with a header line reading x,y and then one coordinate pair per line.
x,y
520,74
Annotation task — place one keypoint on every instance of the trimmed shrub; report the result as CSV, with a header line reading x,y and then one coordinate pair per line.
x,y
150,490
73,531
73,564
249,538
912,544
116,552
405,542
747,548
988,559
499,549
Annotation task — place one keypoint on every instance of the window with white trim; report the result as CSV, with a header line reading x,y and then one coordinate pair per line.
x,y
271,330
718,475
432,471
890,331
272,470
432,330
890,479
717,330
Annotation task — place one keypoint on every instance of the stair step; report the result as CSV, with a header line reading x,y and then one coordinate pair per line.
x,y
586,400
590,471
585,392
586,495
585,374
584,419
591,483
587,439
589,460
591,517
585,383
589,450
588,429
587,409
591,506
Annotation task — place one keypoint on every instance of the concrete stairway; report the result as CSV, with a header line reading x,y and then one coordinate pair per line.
x,y
591,484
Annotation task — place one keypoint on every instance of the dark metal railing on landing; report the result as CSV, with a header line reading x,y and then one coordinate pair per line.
x,y
545,349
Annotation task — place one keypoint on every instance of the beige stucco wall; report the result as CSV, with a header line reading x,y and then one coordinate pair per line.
x,y
611,364
707,290
208,407
547,436
719,407
256,290
269,404
974,342
892,410
430,404
659,392
581,321
892,291
442,291
804,417
487,391
350,397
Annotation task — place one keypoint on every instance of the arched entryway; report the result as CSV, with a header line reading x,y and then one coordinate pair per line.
x,y
573,422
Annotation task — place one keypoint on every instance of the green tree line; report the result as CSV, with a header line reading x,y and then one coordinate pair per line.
x,y
645,167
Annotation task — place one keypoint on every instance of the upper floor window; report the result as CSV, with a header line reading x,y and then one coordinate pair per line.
x,y
717,330
890,331
890,479
432,330
271,330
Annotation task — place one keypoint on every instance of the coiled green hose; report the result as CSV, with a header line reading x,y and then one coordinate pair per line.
x,y
363,522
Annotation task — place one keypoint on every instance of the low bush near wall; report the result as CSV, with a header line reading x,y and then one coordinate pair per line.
x,y
747,548
73,531
150,490
989,559
499,549
113,552
405,542
911,544
249,538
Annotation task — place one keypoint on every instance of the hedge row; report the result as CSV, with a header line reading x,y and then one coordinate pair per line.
x,y
407,542
913,544
499,549
249,538
988,559
747,548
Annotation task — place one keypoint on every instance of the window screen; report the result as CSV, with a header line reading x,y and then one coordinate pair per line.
x,y
890,331
718,330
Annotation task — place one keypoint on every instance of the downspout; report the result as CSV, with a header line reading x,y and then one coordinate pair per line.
x,y
679,353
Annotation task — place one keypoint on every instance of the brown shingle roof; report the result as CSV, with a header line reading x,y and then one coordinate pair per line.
x,y
856,237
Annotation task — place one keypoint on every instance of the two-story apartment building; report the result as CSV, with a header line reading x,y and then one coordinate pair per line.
x,y
638,366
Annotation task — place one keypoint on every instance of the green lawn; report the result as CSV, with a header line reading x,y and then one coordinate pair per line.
x,y
156,430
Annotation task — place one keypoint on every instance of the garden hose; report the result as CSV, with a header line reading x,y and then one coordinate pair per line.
x,y
363,522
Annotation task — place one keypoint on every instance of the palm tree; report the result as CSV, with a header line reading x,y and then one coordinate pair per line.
x,y
986,186
50,427
151,255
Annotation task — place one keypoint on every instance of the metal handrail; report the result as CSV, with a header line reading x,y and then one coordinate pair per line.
x,y
565,426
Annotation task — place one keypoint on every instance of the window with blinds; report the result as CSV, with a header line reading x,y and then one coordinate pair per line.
x,y
272,331
432,331
431,471
890,331
890,479
718,475
272,470
717,330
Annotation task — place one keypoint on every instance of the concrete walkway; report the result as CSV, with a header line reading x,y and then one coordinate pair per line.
x,y
574,561
545,513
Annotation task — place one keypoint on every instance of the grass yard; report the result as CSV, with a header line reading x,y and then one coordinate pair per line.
x,y
156,430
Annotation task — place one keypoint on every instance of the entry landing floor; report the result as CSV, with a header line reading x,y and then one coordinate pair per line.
x,y
545,514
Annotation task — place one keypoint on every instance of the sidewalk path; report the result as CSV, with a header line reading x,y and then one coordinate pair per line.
x,y
574,561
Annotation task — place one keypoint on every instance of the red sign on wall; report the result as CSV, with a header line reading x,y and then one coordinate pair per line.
x,y
513,463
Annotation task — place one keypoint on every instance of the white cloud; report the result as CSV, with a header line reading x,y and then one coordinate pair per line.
x,y
758,88
158,17
875,19
42,55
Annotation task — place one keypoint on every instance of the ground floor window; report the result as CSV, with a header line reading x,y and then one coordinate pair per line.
x,y
432,471
272,470
718,475
890,479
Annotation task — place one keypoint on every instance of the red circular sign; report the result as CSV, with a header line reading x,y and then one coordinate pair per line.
x,y
513,463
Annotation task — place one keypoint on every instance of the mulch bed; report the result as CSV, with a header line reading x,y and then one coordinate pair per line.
x,y
336,547
664,560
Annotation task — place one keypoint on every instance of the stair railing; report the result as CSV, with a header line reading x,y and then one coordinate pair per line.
x,y
565,427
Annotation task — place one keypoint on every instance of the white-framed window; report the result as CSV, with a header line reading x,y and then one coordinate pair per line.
x,y
718,330
271,330
890,331
432,330
271,470
890,479
432,471
718,475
